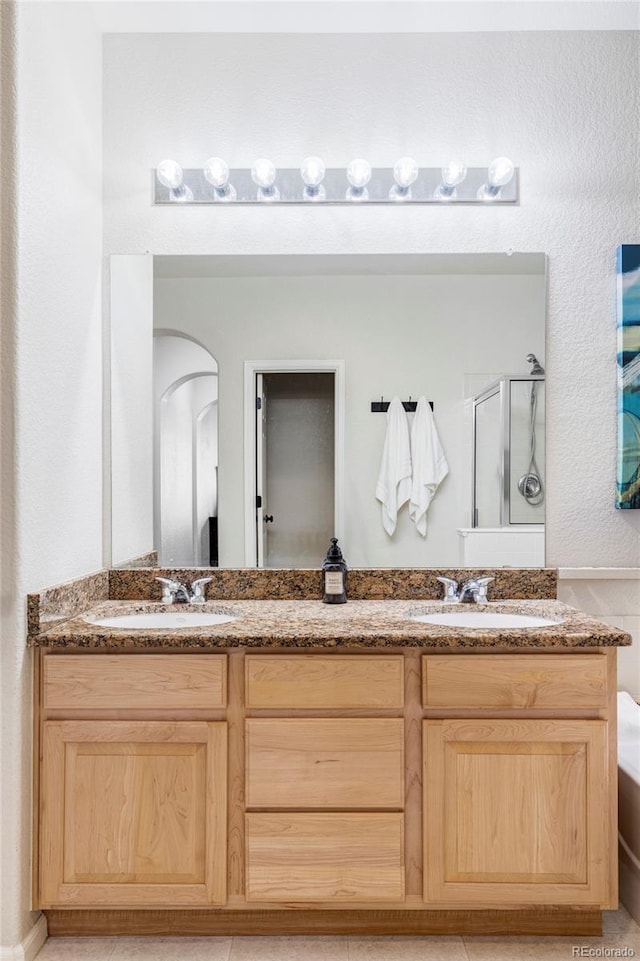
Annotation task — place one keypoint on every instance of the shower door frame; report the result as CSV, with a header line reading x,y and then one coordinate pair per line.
x,y
503,387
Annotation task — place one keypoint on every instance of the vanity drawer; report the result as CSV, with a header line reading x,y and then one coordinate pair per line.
x,y
325,857
324,681
524,681
325,762
134,681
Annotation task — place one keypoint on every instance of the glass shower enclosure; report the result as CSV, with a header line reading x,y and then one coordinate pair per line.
x,y
509,452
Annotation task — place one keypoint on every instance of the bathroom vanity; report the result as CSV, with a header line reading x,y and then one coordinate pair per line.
x,y
310,768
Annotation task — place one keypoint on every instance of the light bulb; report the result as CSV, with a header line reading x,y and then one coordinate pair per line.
x,y
216,172
405,172
263,173
169,174
359,173
452,175
500,171
312,171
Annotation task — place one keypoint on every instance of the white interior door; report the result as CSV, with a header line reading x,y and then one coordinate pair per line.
x,y
296,467
286,542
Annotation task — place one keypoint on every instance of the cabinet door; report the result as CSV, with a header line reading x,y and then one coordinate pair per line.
x,y
133,813
516,812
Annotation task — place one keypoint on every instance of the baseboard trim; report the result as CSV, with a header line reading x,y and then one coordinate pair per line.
x,y
29,946
212,922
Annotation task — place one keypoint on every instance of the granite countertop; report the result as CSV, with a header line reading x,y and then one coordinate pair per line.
x,y
307,624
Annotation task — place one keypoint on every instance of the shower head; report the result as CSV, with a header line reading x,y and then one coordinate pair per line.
x,y
537,368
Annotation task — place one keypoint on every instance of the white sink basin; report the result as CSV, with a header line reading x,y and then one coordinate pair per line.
x,y
484,619
162,620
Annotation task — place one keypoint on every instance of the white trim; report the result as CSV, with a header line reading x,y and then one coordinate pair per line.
x,y
599,573
364,16
251,368
29,946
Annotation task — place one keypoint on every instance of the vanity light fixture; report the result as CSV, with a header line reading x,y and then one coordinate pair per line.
x,y
263,174
313,184
499,174
216,171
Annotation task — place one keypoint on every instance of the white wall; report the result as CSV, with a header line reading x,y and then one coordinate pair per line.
x,y
405,335
538,97
613,596
52,493
130,476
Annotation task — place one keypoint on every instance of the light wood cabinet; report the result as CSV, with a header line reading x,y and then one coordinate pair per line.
x,y
134,682
513,811
133,813
321,763
325,857
284,791
320,779
526,682
324,681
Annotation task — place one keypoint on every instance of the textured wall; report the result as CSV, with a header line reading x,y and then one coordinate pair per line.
x,y
51,477
563,105
60,276
15,661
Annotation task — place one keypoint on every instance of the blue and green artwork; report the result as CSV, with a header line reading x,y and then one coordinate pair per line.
x,y
628,491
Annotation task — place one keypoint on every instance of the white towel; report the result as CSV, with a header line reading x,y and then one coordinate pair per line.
x,y
429,464
394,479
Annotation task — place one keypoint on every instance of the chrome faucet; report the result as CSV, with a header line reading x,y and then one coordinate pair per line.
x,y
450,589
472,591
175,592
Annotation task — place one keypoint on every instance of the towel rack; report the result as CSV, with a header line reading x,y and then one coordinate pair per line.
x,y
381,406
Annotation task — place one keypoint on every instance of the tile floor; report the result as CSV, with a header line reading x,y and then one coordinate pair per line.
x,y
620,932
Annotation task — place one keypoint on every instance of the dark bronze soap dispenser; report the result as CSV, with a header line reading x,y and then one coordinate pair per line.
x,y
335,575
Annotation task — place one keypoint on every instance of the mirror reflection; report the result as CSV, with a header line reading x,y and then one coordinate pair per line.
x,y
185,412
265,369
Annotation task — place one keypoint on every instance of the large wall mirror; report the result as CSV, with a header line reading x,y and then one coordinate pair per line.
x,y
242,430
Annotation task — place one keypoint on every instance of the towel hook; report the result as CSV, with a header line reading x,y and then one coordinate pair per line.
x,y
382,405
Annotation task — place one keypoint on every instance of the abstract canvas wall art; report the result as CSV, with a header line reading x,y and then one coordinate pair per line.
x,y
628,486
